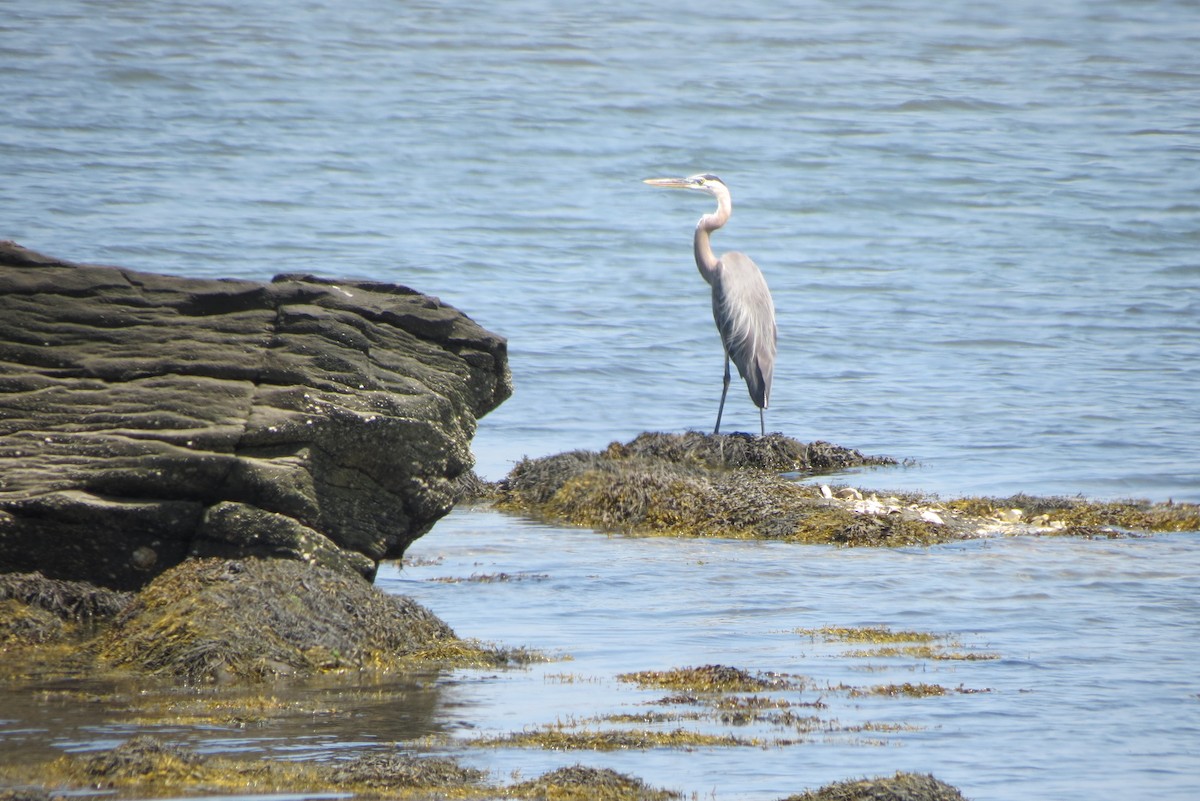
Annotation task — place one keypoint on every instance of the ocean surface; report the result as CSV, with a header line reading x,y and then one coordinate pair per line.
x,y
981,226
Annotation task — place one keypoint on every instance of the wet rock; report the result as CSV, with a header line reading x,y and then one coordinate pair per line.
x,y
702,485
71,601
392,770
147,418
216,620
774,452
738,486
23,624
142,757
582,783
901,787
45,624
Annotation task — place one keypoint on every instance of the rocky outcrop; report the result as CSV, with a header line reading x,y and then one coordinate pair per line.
x,y
146,418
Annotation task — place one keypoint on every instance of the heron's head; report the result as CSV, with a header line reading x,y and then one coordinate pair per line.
x,y
706,182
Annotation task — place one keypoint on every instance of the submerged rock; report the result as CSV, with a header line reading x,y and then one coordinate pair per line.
x,y
147,418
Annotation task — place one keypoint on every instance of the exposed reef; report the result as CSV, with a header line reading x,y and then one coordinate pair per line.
x,y
148,765
736,486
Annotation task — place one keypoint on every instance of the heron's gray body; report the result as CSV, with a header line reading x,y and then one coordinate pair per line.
x,y
742,305
749,339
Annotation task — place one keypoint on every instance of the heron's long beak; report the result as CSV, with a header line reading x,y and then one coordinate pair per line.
x,y
672,183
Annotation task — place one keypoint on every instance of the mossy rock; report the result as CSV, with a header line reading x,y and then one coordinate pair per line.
x,y
1081,517
70,601
226,620
147,765
901,787
702,485
582,783
742,487
46,624
774,452
393,770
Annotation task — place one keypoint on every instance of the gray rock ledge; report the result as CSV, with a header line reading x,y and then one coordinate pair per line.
x,y
147,418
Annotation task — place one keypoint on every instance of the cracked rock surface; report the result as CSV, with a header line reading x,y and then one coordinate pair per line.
x,y
146,418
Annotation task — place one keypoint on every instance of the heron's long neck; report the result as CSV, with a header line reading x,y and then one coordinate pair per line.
x,y
706,260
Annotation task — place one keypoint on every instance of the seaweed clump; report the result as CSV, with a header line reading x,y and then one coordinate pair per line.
x,y
901,787
884,642
581,783
138,759
1083,518
35,610
226,620
383,771
774,452
147,764
702,485
741,487
46,624
74,601
708,679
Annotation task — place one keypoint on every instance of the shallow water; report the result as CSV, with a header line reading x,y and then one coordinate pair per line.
x,y
1093,693
979,226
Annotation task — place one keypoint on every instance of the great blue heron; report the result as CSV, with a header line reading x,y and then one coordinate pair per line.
x,y
742,305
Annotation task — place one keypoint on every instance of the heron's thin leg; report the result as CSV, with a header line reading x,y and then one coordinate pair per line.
x,y
762,423
724,390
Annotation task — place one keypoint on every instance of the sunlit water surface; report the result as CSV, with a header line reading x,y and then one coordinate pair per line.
x,y
1093,693
979,222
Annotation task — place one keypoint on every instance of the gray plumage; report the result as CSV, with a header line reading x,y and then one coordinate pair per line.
x,y
742,305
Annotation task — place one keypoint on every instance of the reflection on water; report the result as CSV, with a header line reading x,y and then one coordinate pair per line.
x,y
297,720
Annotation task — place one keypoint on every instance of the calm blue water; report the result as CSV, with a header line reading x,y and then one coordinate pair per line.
x,y
980,222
